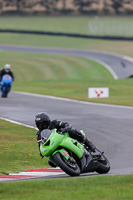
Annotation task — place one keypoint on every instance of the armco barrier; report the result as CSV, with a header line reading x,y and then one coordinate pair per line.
x,y
76,35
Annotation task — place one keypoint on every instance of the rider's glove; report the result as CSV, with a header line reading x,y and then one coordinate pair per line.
x,y
63,130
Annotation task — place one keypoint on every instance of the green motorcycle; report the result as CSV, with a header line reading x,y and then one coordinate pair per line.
x,y
71,156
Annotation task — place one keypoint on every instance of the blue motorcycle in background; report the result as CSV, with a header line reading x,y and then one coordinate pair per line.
x,y
5,85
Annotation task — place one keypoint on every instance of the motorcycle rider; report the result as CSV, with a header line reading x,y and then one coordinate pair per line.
x,y
43,121
6,70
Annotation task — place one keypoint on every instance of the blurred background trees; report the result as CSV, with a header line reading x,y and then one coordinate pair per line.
x,y
66,6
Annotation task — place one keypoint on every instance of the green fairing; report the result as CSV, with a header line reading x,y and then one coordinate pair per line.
x,y
56,140
71,156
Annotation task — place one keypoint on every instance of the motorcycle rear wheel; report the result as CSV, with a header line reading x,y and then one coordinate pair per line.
x,y
104,165
65,166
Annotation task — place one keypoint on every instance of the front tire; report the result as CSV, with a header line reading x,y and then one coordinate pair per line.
x,y
65,166
6,91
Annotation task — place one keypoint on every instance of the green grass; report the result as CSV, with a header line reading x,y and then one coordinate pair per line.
x,y
87,188
43,67
65,76
18,149
62,24
66,24
54,24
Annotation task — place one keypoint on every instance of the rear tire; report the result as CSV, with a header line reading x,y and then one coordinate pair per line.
x,y
64,165
104,165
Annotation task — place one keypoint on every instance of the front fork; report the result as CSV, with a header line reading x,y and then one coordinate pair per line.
x,y
63,152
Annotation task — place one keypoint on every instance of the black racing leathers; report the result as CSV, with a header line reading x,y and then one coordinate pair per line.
x,y
3,72
62,127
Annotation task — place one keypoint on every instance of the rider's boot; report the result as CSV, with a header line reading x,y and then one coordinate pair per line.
x,y
89,144
82,138
51,163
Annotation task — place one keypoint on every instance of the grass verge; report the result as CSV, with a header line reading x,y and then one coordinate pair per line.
x,y
18,149
94,188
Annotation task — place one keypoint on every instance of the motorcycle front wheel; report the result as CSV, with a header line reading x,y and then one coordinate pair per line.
x,y
68,166
4,91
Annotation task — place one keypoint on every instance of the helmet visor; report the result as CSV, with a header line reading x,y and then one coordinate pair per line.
x,y
42,125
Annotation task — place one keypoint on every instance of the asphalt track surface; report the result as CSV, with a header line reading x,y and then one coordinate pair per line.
x,y
119,66
110,127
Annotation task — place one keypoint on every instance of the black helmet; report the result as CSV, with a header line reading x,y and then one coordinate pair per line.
x,y
42,121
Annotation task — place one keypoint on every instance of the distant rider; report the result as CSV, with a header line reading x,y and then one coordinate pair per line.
x,y
6,70
42,121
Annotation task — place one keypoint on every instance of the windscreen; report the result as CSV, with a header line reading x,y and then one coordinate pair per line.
x,y
45,134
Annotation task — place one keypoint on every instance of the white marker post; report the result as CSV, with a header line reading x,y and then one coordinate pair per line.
x,y
98,92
